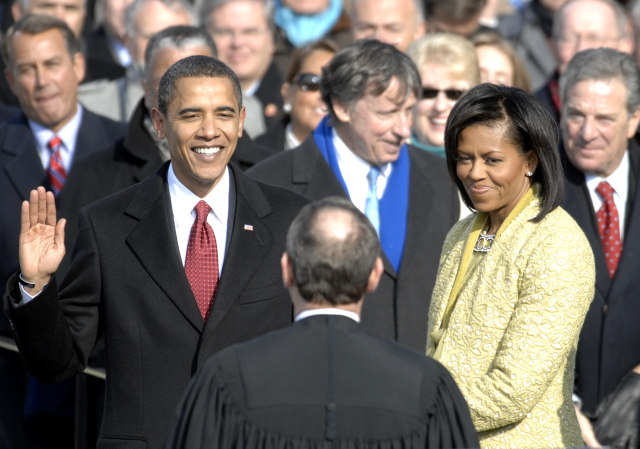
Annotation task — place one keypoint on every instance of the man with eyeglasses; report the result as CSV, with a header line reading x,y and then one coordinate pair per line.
x,y
582,25
359,152
243,31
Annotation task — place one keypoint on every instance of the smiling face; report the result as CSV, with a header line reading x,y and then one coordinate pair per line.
x,y
243,39
596,126
202,126
376,127
307,107
430,114
493,171
45,78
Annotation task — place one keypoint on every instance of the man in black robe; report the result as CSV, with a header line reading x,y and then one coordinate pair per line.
x,y
324,380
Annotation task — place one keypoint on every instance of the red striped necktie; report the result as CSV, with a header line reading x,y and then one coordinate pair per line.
x,y
56,171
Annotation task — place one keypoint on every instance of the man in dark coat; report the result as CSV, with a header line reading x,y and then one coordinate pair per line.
x,y
370,89
324,380
601,112
44,68
128,280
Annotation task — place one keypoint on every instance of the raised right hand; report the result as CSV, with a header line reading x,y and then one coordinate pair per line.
x,y
41,239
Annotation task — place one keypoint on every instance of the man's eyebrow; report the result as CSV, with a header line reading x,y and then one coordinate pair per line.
x,y
188,111
226,109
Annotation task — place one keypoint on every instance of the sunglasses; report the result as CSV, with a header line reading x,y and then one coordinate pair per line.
x,y
452,94
308,82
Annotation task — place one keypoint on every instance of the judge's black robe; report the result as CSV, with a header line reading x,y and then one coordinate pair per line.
x,y
322,382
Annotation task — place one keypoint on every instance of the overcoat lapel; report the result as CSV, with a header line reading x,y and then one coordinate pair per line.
x,y
159,254
250,241
25,170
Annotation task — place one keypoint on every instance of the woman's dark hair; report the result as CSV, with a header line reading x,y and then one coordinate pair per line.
x,y
300,55
528,125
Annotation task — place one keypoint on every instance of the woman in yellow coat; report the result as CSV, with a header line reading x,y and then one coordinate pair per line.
x,y
516,278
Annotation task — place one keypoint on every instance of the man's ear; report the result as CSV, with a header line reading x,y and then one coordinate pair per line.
x,y
341,111
79,66
158,122
287,271
376,274
243,115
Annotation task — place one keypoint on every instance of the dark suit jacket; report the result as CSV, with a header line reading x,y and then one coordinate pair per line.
x,y
101,62
609,345
127,281
21,171
398,308
269,94
323,382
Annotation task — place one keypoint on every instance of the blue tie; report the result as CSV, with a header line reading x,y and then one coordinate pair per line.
x,y
371,209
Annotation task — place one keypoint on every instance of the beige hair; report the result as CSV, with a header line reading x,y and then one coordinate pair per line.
x,y
449,50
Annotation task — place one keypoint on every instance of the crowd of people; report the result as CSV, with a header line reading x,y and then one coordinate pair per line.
x,y
453,183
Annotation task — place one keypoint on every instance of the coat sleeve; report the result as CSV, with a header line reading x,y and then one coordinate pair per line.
x,y
56,333
450,425
555,289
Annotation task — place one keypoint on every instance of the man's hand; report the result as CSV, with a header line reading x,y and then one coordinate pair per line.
x,y
41,239
588,435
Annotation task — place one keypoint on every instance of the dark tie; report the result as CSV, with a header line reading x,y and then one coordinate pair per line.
x,y
371,206
609,227
56,171
201,264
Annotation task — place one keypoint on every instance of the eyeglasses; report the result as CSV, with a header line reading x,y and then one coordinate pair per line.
x,y
452,94
308,82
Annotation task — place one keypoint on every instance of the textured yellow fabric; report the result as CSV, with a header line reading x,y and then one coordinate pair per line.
x,y
512,335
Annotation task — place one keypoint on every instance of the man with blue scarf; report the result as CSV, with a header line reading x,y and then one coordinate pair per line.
x,y
359,152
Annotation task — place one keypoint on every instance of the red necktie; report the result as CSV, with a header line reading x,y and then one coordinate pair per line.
x,y
201,264
56,171
609,226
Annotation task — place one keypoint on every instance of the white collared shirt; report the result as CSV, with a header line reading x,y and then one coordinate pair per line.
x,y
68,134
354,171
183,202
290,139
328,311
619,180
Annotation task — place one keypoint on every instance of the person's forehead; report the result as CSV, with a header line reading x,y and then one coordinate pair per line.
x,y
155,16
382,10
52,40
611,94
252,12
589,14
32,4
187,90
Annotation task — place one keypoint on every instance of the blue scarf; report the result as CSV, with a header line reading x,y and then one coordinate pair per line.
x,y
440,151
394,204
303,29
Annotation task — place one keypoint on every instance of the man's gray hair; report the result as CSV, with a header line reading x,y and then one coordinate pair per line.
x,y
622,20
179,36
603,64
349,7
174,5
195,67
36,24
210,5
367,67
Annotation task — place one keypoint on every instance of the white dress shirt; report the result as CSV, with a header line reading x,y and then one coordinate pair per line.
x,y
328,311
68,134
354,171
619,180
183,202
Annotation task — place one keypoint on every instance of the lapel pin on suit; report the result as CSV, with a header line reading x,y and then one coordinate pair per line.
x,y
248,227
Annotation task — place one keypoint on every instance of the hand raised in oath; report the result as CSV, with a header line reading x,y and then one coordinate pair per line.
x,y
41,239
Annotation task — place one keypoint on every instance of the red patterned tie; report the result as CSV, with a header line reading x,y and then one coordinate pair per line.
x,y
201,265
609,226
56,171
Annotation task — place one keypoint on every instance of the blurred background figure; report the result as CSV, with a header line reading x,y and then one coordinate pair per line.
x,y
305,21
243,31
118,99
498,61
529,30
448,67
303,106
455,16
581,25
394,22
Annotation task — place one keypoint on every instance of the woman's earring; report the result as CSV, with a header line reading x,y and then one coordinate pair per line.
x,y
529,174
286,108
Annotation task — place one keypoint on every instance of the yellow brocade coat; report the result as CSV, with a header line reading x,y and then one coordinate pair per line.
x,y
512,335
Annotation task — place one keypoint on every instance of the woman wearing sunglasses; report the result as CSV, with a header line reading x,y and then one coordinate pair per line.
x,y
303,105
448,67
